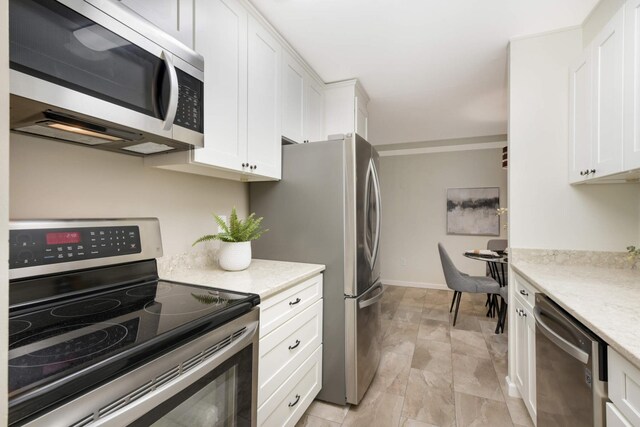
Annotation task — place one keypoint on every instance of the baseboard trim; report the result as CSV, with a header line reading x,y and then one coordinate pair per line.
x,y
422,285
511,387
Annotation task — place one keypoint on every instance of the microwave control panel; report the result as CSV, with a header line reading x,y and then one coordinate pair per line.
x,y
190,99
32,247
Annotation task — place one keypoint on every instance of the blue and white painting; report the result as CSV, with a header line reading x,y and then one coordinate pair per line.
x,y
473,211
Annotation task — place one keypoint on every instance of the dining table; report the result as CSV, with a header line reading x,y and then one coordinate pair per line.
x,y
498,267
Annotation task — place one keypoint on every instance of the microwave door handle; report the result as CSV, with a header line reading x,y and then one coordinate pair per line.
x,y
173,91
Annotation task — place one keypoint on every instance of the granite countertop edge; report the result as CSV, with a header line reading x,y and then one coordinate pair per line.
x,y
605,332
257,279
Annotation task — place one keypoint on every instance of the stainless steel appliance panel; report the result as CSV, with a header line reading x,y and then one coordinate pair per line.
x,y
159,387
570,369
89,60
306,215
363,340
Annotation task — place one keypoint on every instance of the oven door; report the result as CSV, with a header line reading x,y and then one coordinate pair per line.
x,y
211,381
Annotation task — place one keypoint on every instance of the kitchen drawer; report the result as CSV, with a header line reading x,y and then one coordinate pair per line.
x,y
525,291
283,350
624,387
281,307
615,418
287,405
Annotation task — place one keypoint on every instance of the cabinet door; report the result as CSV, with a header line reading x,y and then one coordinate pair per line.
x,y
522,349
293,85
530,401
362,118
174,17
221,37
580,118
314,111
608,98
632,86
264,125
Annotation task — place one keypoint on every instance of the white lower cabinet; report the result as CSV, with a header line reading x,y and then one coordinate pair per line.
x,y
525,343
615,418
624,391
290,361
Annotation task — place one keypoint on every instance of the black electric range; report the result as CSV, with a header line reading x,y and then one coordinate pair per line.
x,y
71,331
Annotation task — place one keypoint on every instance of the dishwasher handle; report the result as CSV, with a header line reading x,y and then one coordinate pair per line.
x,y
562,343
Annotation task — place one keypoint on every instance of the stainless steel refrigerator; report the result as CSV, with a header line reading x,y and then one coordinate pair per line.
x,y
326,210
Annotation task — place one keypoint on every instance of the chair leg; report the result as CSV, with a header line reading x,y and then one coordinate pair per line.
x,y
502,315
453,300
455,316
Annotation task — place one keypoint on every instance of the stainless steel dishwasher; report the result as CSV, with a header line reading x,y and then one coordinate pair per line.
x,y
571,369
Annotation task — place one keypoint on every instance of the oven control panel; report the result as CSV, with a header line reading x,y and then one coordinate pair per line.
x,y
33,247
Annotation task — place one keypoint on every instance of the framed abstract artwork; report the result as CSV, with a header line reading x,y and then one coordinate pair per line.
x,y
473,211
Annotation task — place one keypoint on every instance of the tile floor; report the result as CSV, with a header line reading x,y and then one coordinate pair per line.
x,y
432,374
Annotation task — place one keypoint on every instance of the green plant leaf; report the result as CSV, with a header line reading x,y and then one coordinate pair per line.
x,y
237,230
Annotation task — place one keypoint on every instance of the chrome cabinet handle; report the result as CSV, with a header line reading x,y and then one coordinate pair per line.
x,y
294,403
294,302
291,347
523,292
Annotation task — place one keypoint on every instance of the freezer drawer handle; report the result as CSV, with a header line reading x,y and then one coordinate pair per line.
x,y
563,344
291,347
375,299
294,302
295,402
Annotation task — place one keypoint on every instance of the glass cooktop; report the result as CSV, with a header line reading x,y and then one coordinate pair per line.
x,y
65,341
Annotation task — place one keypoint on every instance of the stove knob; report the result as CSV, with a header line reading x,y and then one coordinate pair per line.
x,y
23,239
24,257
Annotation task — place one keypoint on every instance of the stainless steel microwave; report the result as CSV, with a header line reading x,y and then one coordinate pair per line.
x,y
94,72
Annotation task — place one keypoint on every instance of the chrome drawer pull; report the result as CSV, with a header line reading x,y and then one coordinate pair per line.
x,y
292,404
295,302
291,347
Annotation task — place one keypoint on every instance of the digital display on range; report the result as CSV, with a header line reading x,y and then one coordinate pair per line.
x,y
62,238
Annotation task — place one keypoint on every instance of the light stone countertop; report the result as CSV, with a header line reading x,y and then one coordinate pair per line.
x,y
606,300
263,277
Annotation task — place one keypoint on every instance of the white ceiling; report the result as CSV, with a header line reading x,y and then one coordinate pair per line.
x,y
434,69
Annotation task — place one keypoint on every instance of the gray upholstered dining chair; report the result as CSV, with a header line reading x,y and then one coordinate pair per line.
x,y
460,282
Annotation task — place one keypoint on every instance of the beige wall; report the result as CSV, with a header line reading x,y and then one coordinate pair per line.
x,y
54,179
4,205
546,212
414,190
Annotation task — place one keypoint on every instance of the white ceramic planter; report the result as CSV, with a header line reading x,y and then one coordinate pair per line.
x,y
234,256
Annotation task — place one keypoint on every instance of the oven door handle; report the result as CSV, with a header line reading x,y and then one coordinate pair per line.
x,y
131,412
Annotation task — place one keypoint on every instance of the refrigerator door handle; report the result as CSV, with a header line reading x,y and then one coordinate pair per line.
x,y
367,206
375,299
376,186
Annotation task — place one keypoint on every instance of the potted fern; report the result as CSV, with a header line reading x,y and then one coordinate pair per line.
x,y
235,238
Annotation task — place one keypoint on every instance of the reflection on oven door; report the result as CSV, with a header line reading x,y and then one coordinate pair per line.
x,y
214,405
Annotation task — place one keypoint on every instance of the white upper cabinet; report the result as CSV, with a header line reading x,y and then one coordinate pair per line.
x,y
292,98
632,86
242,96
580,118
346,108
302,102
607,122
264,130
314,110
174,17
221,28
603,115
